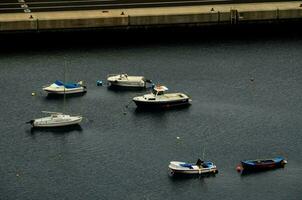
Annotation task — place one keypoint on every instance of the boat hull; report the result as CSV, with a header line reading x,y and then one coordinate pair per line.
x,y
41,124
194,172
67,91
161,104
261,165
120,84
182,168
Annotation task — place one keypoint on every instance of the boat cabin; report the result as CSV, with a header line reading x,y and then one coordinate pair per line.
x,y
159,90
123,76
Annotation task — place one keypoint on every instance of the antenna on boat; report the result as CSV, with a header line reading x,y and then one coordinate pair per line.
x,y
203,152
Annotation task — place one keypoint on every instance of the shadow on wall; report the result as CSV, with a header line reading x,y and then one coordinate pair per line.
x,y
95,38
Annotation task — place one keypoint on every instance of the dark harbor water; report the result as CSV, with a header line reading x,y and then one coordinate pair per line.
x,y
246,90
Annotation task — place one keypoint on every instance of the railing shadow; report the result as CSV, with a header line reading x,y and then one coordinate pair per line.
x,y
246,173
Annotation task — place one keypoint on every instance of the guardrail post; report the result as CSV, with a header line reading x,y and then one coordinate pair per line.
x,y
234,16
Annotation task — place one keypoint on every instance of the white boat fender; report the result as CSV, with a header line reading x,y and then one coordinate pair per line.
x,y
33,94
99,83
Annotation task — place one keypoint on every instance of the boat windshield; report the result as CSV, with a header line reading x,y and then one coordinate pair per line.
x,y
155,92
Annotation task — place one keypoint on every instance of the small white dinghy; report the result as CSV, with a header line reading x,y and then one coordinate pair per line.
x,y
55,120
200,167
124,80
59,87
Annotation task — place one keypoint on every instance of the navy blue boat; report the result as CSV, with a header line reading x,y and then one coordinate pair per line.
x,y
263,164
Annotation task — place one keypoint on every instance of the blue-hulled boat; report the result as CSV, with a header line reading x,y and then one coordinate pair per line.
x,y
262,164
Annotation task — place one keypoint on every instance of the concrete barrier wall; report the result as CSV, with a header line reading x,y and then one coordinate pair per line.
x,y
83,23
224,17
136,17
259,15
18,25
173,19
290,14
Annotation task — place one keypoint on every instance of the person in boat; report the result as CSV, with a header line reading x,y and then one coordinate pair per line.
x,y
199,162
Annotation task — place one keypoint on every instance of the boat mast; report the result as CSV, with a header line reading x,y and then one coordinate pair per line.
x,y
64,101
204,142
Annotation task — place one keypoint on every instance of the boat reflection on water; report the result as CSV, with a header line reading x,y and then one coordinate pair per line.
x,y
182,108
246,173
58,130
124,89
158,109
52,96
182,177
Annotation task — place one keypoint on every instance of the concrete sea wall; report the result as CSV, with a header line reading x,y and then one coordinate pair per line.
x,y
144,17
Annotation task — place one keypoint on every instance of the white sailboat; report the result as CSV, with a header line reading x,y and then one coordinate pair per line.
x,y
56,119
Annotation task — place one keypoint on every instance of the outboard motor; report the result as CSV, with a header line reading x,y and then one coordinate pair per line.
x,y
30,122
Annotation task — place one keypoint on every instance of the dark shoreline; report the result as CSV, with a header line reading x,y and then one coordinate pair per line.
x,y
21,41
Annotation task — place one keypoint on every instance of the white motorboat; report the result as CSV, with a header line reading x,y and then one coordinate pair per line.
x,y
200,167
159,99
56,120
124,80
59,87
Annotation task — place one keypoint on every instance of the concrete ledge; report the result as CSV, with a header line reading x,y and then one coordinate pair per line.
x,y
82,23
174,19
136,17
17,22
290,13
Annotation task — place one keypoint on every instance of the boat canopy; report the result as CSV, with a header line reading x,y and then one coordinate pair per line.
x,y
160,88
67,85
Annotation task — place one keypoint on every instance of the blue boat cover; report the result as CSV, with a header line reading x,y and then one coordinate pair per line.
x,y
207,164
187,165
59,83
278,159
67,85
